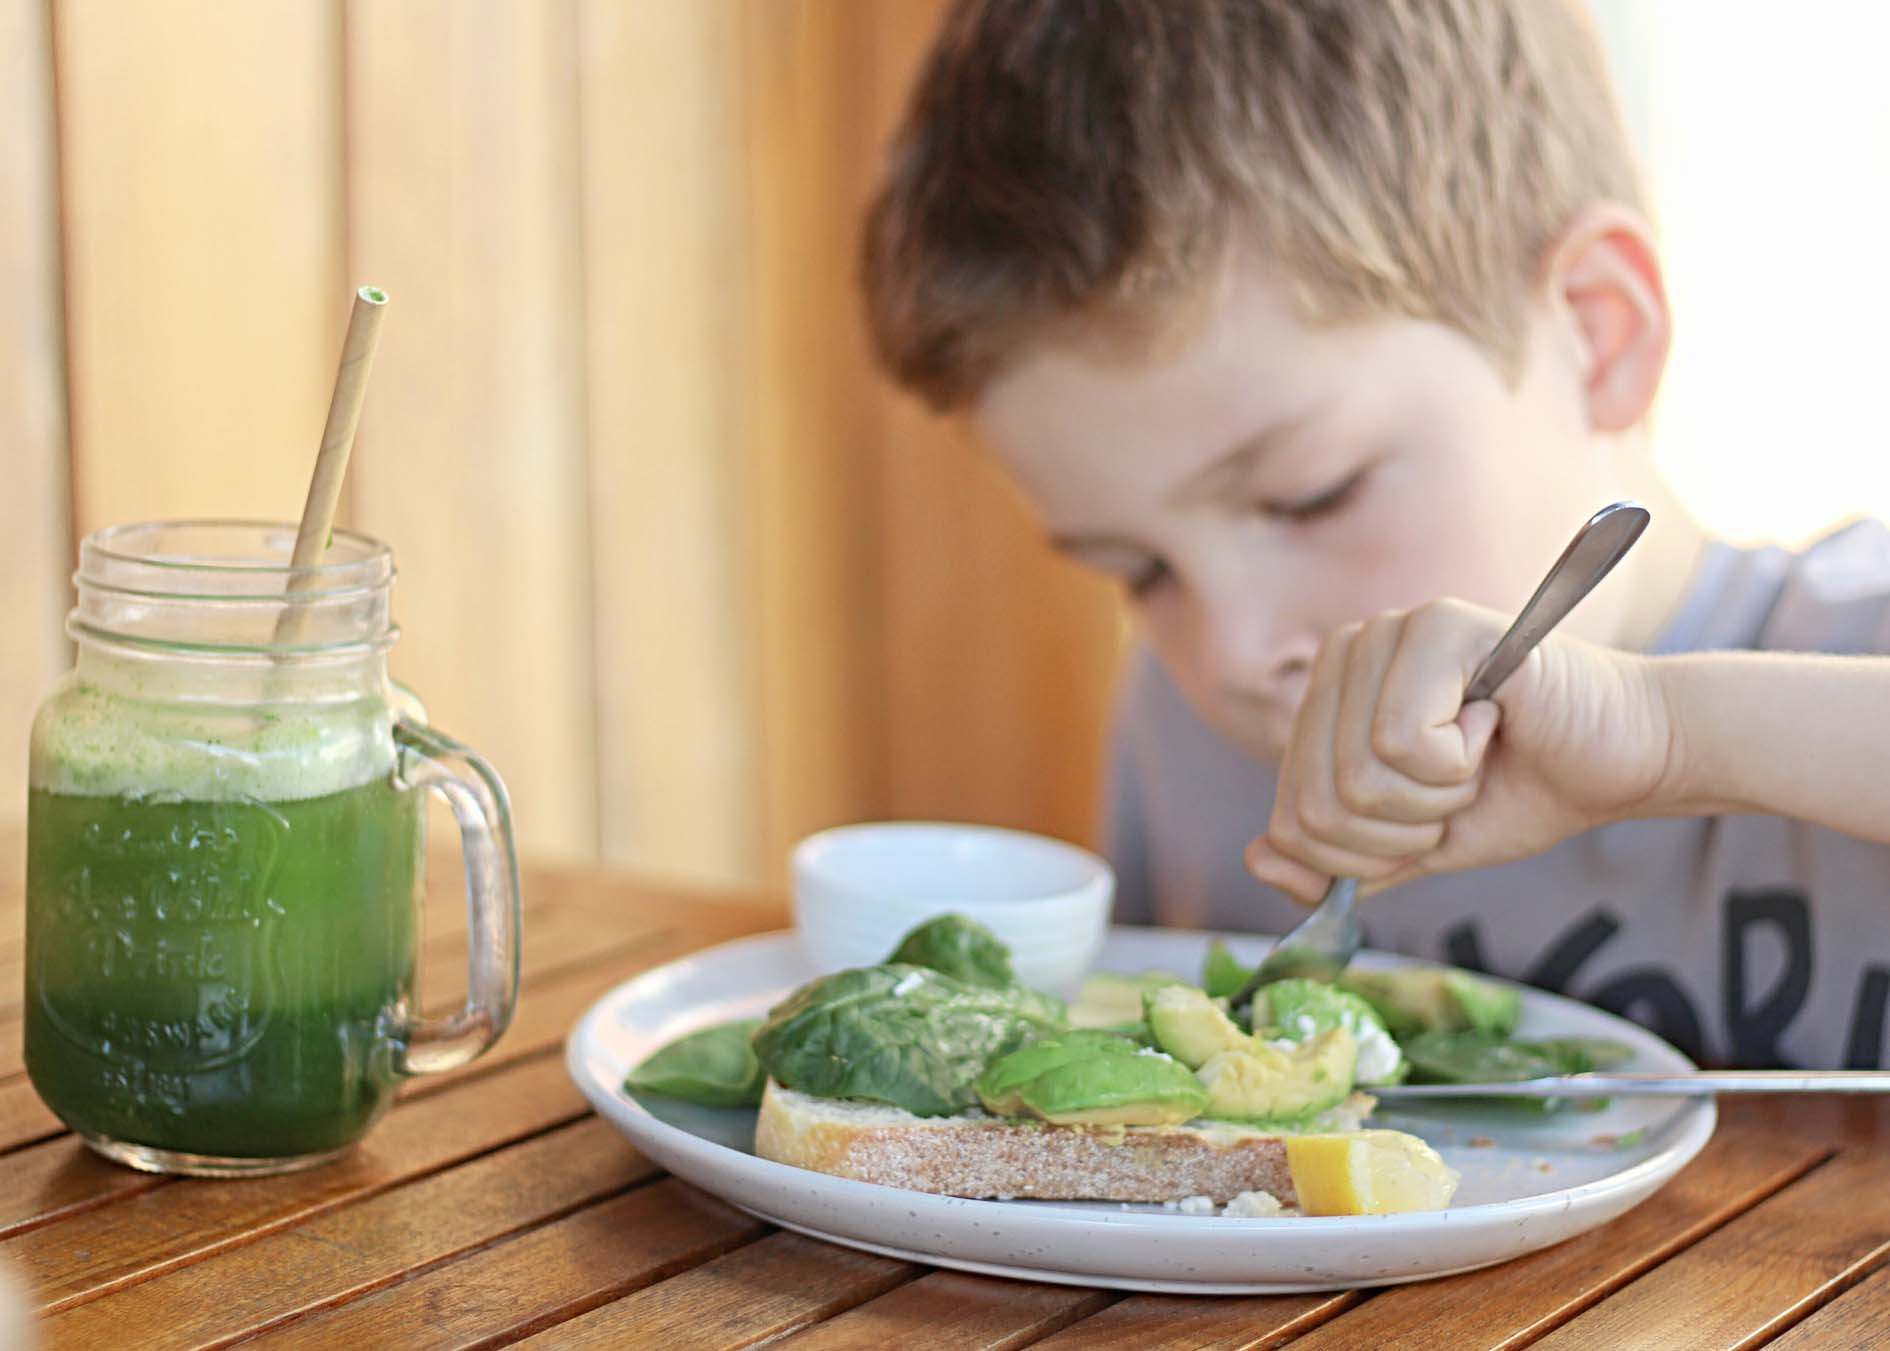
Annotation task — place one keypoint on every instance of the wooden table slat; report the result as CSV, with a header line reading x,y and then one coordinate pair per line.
x,y
784,1282
538,1279
352,1251
959,1312
60,1178
1857,1320
1738,1169
40,1181
182,1221
24,1119
1758,1274
490,1209
1193,1323
557,984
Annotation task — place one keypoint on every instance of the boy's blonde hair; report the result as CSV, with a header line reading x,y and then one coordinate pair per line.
x,y
1079,166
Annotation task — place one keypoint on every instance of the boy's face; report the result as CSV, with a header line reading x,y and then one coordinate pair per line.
x,y
1273,480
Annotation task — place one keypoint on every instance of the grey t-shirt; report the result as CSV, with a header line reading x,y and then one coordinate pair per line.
x,y
1749,940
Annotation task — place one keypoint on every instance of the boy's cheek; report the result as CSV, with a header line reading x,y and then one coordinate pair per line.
x,y
1260,728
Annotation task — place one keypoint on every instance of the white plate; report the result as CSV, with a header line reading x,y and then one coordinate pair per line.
x,y
1541,1181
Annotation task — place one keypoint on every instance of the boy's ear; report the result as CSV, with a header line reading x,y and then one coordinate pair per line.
x,y
1603,274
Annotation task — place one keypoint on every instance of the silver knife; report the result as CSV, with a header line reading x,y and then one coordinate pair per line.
x,y
1699,1085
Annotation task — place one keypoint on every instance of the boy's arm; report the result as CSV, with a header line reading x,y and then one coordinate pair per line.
x,y
1791,734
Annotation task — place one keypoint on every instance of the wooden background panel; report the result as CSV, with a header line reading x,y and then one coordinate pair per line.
x,y
998,655
666,284
811,462
200,157
463,197
34,544
673,554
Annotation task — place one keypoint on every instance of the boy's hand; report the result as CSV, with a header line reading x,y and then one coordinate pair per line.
x,y
1389,776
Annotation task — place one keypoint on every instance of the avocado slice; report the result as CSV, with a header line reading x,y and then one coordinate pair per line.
x,y
1000,1086
1264,1083
1484,1005
1109,999
1089,1078
1419,999
1116,1090
1190,1026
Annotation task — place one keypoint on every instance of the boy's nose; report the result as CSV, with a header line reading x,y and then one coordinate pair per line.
x,y
1255,661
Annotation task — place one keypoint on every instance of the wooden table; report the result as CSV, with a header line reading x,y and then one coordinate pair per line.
x,y
492,1209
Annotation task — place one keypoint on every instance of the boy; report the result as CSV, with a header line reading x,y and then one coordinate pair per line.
x,y
1299,315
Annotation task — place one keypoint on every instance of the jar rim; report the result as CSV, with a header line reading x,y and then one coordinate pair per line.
x,y
136,545
229,588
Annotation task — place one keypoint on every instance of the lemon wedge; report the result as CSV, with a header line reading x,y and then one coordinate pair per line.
x,y
1368,1173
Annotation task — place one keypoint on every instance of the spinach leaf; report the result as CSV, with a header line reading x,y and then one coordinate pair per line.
x,y
1582,1055
1485,1058
1475,1057
959,947
899,1034
715,1066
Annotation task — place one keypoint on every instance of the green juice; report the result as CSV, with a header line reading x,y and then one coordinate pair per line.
x,y
218,977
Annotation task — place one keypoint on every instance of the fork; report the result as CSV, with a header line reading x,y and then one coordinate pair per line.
x,y
1322,944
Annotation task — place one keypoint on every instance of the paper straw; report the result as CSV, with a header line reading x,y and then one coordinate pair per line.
x,y
331,462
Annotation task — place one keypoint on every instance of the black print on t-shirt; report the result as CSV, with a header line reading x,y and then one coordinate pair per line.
x,y
1754,1021
1873,999
1753,1028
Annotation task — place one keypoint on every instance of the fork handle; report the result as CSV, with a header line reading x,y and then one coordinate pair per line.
x,y
1601,543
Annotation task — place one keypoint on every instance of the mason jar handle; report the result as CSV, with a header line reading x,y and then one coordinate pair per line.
x,y
473,790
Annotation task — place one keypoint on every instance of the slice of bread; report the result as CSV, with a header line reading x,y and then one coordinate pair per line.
x,y
983,1156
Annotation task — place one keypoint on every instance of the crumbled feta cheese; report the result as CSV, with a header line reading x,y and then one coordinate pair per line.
x,y
909,982
1150,1050
1197,1205
1253,1206
1307,1027
1378,1055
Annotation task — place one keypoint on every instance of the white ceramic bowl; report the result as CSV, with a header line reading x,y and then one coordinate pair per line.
x,y
858,889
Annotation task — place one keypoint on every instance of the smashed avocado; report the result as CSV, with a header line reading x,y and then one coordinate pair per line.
x,y
1262,1082
1296,1010
1416,999
1090,1078
1190,1026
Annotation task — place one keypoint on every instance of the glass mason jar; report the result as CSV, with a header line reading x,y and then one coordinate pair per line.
x,y
225,854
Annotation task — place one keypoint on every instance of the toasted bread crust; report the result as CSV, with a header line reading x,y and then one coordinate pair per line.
x,y
989,1156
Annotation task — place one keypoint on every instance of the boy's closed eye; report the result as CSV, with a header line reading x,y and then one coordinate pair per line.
x,y
1314,505
1144,582
1143,572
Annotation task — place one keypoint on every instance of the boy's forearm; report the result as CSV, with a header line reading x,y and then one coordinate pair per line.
x,y
1790,734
